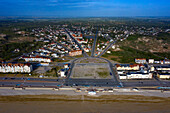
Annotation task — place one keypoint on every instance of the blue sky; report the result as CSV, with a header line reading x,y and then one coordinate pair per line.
x,y
84,8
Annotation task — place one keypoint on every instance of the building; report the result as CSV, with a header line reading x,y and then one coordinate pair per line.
x,y
82,41
123,76
113,47
151,61
152,68
140,60
139,75
77,36
15,67
166,61
86,49
164,75
108,51
55,55
36,59
66,66
63,72
75,53
162,68
128,67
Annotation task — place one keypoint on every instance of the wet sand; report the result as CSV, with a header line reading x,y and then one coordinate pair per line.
x,y
83,104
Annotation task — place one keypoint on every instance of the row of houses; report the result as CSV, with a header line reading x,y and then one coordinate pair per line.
x,y
129,66
151,61
133,71
77,35
163,72
36,59
82,41
142,71
75,53
15,67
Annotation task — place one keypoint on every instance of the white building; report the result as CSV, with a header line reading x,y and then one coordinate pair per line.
x,y
55,55
86,49
14,68
63,73
164,75
113,47
75,53
108,51
66,66
77,36
121,67
151,61
37,59
140,60
162,68
123,76
138,75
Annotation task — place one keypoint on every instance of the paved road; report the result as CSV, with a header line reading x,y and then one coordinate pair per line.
x,y
30,84
106,49
94,45
63,46
111,45
91,82
39,82
29,79
84,53
71,68
27,82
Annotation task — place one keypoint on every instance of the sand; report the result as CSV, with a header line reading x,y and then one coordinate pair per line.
x,y
50,101
86,104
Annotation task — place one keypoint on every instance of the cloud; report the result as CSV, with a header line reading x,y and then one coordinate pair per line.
x,y
75,3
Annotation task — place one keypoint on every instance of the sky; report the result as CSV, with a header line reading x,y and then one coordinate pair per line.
x,y
84,8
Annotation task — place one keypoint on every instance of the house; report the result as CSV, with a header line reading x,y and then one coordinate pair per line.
x,y
151,61
15,67
166,61
86,49
75,53
113,47
140,60
82,41
108,51
66,66
156,62
152,68
55,55
44,64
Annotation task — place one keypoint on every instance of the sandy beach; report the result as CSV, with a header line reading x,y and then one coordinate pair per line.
x,y
83,104
51,101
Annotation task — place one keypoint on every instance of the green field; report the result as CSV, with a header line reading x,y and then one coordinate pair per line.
x,y
128,55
